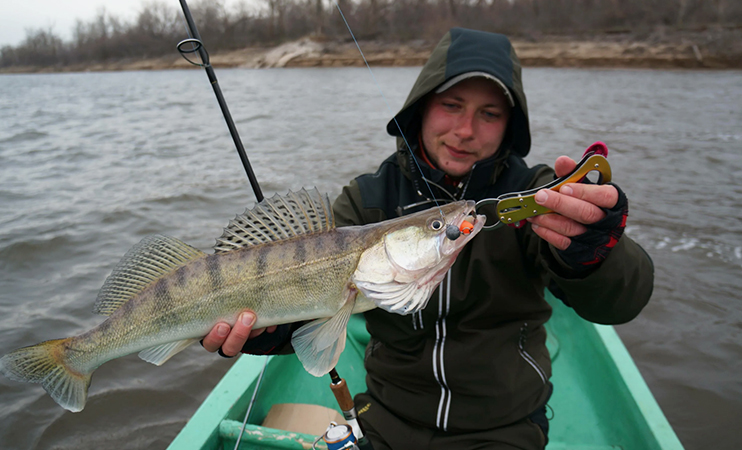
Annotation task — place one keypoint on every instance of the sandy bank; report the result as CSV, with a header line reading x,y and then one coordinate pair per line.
x,y
553,52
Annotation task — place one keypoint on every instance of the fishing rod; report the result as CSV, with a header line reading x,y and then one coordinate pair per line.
x,y
338,386
335,436
198,46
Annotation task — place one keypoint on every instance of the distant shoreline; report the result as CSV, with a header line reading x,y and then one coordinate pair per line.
x,y
544,52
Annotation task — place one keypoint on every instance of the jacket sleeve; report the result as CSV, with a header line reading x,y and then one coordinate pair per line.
x,y
613,293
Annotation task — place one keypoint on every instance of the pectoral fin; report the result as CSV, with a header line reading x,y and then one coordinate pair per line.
x,y
400,298
160,354
319,343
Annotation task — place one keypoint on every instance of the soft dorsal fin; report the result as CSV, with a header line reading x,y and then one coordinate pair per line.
x,y
277,218
150,259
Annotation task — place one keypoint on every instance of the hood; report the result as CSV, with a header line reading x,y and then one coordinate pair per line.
x,y
462,51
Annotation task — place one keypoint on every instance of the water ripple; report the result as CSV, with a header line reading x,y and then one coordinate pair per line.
x,y
24,136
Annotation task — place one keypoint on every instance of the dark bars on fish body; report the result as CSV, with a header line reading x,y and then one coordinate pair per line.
x,y
222,103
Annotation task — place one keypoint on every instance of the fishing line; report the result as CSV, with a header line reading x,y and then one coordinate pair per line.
x,y
195,45
252,402
389,109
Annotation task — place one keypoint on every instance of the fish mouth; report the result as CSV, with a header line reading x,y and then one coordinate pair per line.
x,y
467,216
470,215
477,220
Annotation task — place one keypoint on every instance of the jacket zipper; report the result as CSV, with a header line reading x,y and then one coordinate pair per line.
x,y
439,371
526,356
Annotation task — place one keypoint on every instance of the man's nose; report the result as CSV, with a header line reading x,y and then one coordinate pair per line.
x,y
464,128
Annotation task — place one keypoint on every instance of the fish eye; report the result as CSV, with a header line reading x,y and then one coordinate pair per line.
x,y
436,225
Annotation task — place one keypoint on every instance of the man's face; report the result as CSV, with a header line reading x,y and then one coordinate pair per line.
x,y
465,124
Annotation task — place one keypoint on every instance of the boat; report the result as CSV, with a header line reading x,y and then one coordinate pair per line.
x,y
600,401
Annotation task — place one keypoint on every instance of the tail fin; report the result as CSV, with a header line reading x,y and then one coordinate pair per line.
x,y
45,364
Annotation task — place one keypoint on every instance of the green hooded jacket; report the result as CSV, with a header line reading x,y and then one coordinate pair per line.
x,y
475,358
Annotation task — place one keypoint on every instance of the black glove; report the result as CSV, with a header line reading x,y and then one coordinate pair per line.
x,y
589,249
270,343
267,343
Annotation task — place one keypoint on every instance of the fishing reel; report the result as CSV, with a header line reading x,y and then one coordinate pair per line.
x,y
338,437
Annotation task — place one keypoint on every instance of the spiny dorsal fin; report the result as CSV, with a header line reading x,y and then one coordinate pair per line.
x,y
277,218
150,259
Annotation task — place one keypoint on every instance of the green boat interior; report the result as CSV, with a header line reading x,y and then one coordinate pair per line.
x,y
600,400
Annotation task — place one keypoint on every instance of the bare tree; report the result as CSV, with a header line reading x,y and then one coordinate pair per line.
x,y
41,47
276,13
682,8
319,17
452,8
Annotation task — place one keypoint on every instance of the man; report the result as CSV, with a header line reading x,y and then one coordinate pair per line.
x,y
472,369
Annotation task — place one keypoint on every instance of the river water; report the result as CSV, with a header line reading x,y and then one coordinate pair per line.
x,y
90,163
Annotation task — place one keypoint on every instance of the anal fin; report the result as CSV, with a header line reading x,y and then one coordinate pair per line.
x,y
319,343
159,354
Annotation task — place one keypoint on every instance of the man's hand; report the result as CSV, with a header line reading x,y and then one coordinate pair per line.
x,y
576,205
232,339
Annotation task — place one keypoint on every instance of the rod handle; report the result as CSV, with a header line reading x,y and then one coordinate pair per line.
x,y
342,395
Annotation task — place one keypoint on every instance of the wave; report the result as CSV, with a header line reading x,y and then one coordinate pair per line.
x,y
24,136
699,248
188,198
26,253
243,120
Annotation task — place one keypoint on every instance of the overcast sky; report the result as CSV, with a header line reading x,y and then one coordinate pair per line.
x,y
18,15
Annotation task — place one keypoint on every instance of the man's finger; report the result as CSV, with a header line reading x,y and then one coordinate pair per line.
x,y
256,332
564,165
557,240
604,196
559,224
568,206
239,334
216,337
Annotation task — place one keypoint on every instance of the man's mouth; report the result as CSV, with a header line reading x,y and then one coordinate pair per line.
x,y
457,153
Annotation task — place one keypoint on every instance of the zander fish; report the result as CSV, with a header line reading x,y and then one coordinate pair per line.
x,y
284,259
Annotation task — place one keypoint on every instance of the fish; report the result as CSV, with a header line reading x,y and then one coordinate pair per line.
x,y
284,259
